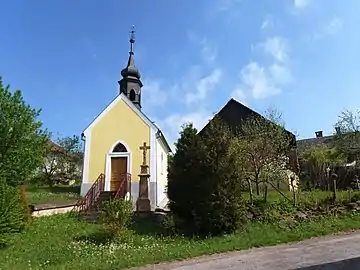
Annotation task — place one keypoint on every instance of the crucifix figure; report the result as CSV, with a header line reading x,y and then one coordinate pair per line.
x,y
144,148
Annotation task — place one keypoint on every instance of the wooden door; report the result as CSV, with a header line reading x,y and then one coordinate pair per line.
x,y
118,172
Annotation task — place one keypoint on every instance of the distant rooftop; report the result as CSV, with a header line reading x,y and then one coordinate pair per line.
x,y
318,140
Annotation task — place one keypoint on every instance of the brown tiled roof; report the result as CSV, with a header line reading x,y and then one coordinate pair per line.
x,y
304,144
55,147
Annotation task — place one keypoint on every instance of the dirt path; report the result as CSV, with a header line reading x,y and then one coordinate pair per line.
x,y
328,253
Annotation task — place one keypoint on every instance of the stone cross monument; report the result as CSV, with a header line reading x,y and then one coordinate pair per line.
x,y
143,202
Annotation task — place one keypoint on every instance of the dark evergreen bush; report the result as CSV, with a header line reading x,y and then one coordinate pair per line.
x,y
203,185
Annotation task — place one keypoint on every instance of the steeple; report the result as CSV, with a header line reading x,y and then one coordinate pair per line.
x,y
130,83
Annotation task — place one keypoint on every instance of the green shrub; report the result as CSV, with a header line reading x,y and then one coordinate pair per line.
x,y
11,211
203,186
116,215
169,225
264,211
25,205
355,197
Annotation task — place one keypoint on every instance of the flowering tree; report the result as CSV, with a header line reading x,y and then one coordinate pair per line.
x,y
63,161
262,147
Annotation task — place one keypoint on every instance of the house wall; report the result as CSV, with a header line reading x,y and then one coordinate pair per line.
x,y
120,123
162,168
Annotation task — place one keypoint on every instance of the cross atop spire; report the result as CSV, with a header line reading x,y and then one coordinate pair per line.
x,y
132,39
130,83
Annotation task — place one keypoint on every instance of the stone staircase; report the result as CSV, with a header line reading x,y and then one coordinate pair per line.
x,y
93,214
104,197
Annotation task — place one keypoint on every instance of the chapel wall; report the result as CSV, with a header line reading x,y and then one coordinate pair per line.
x,y
121,123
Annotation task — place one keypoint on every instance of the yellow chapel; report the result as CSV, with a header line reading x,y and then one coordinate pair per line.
x,y
119,151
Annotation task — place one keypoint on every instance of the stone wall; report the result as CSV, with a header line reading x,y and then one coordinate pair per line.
x,y
51,209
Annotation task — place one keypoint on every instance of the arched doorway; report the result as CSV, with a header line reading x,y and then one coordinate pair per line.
x,y
119,148
118,169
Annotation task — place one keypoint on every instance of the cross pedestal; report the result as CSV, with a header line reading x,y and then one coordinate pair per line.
x,y
143,201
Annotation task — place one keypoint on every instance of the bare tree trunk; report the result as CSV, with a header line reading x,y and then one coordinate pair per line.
x,y
49,180
265,192
315,176
349,194
257,183
257,187
334,176
250,190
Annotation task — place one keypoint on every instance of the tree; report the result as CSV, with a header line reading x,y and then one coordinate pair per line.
x,y
347,139
63,161
22,141
50,167
203,185
71,158
184,171
319,158
262,146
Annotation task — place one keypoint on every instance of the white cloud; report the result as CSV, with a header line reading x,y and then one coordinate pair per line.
x,y
198,118
226,5
239,95
302,3
334,26
277,47
171,125
280,73
264,80
194,86
208,52
223,11
258,80
265,24
268,23
152,94
329,29
203,87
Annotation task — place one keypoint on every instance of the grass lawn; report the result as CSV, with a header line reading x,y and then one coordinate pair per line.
x,y
45,194
62,242
307,196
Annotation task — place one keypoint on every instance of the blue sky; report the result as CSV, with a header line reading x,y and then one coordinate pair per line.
x,y
301,57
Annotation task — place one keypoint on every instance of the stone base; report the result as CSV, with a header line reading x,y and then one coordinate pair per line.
x,y
143,205
143,215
